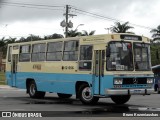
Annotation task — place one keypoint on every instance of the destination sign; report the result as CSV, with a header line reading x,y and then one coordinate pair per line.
x,y
131,37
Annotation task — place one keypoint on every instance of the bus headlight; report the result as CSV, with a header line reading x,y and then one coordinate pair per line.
x,y
149,80
118,81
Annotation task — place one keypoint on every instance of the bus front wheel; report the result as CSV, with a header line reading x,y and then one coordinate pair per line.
x,y
120,99
86,96
61,95
33,93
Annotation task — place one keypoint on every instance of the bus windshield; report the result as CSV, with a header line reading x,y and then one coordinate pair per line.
x,y
141,56
120,56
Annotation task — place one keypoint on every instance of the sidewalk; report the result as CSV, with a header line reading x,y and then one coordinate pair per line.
x,y
5,87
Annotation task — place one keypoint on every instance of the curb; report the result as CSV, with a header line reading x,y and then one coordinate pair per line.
x,y
5,87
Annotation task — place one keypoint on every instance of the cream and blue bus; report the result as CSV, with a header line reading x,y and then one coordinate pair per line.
x,y
90,67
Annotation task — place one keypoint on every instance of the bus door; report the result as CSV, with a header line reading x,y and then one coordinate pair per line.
x,y
98,74
14,62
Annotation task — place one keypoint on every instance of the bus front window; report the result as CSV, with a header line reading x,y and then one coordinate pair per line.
x,y
120,56
141,56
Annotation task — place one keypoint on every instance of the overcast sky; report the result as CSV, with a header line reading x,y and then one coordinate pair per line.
x,y
21,20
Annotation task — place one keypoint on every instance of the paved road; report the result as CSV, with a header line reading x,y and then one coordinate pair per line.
x,y
12,99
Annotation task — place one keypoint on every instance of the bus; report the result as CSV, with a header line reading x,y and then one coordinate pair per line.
x,y
156,71
90,67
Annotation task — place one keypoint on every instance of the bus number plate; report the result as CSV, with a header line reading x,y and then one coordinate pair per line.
x,y
137,91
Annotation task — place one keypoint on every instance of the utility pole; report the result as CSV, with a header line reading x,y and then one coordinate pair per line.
x,y
66,31
65,23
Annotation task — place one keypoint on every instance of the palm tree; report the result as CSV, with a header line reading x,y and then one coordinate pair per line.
x,y
85,33
74,33
121,28
156,33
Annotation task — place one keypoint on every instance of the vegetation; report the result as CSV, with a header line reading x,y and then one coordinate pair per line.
x,y
2,78
156,34
155,54
85,33
121,28
74,33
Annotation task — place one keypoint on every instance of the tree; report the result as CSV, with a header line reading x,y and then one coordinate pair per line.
x,y
156,33
121,28
53,36
33,38
74,33
2,42
85,33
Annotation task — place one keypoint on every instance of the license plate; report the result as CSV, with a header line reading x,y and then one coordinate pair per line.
x,y
137,91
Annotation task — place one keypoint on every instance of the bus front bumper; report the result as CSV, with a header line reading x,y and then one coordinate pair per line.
x,y
129,91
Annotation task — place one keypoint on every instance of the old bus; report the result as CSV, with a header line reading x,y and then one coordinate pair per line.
x,y
90,67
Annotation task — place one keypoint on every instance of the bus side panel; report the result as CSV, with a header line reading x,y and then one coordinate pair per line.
x,y
8,78
106,83
51,82
61,83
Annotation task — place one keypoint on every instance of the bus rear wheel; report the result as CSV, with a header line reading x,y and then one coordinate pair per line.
x,y
85,95
33,93
61,95
120,99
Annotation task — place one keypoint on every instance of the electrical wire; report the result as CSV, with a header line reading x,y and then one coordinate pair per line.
x,y
106,18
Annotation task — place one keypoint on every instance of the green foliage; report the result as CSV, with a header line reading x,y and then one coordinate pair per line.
x,y
156,34
2,78
121,28
74,33
154,48
85,33
53,36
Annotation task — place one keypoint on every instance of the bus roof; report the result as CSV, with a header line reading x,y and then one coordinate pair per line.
x,y
155,67
95,38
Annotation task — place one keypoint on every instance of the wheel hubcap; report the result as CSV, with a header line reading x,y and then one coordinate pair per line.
x,y
32,89
86,94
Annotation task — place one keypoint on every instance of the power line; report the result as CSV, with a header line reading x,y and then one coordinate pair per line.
x,y
30,7
29,4
106,18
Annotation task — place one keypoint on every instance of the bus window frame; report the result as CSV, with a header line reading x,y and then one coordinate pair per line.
x,y
55,51
30,51
78,47
32,46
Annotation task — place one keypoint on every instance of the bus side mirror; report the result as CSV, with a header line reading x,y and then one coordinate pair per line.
x,y
157,54
108,52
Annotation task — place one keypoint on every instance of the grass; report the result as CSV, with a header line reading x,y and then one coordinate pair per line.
x,y
2,78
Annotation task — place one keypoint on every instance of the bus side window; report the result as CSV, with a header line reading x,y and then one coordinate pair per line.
x,y
54,51
85,62
70,52
38,52
24,55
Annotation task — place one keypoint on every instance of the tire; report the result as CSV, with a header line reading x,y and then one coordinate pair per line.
x,y
85,96
158,90
61,95
120,99
33,93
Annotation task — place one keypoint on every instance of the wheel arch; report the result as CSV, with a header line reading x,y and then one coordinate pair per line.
x,y
28,80
77,86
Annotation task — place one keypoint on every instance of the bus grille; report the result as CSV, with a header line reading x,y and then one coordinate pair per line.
x,y
134,81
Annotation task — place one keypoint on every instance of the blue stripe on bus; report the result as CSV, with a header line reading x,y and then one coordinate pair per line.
x,y
63,83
